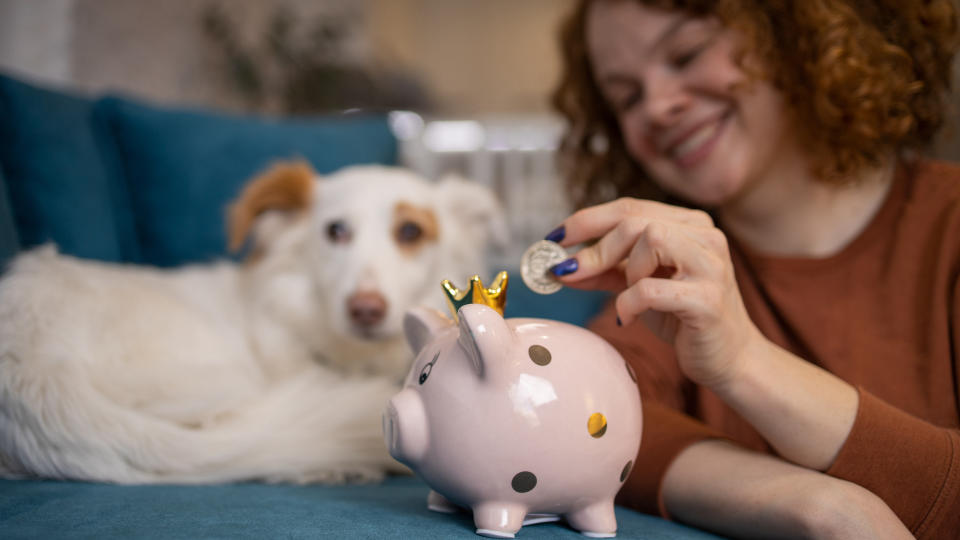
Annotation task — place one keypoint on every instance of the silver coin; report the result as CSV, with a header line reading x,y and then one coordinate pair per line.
x,y
535,266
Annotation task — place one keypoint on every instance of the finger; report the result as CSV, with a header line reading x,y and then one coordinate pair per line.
x,y
596,221
637,237
712,239
685,299
609,252
669,251
612,280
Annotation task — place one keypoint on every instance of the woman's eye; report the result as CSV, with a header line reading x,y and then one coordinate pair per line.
x,y
627,101
691,50
409,232
338,232
684,59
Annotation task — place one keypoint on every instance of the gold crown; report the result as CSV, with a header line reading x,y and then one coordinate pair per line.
x,y
494,297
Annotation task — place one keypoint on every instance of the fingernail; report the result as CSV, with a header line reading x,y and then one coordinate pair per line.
x,y
568,266
557,234
619,322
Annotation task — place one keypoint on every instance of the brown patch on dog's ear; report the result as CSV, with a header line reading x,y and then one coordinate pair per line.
x,y
413,226
286,186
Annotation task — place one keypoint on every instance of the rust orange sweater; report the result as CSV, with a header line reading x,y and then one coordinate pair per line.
x,y
883,314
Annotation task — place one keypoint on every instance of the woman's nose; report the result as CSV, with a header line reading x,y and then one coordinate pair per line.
x,y
665,100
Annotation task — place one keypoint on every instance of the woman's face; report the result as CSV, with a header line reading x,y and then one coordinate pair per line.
x,y
685,109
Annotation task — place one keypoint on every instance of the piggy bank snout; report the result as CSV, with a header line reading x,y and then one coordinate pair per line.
x,y
405,427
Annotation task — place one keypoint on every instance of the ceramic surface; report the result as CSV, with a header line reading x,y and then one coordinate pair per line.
x,y
516,419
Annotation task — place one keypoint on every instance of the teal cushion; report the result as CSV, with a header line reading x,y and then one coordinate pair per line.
x,y
183,167
395,509
59,187
568,305
9,244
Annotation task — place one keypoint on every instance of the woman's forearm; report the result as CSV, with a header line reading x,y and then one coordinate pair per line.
x,y
721,487
803,411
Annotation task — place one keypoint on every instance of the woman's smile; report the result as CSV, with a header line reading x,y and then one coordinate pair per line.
x,y
696,144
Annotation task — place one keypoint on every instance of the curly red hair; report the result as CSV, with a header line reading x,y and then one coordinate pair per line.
x,y
864,79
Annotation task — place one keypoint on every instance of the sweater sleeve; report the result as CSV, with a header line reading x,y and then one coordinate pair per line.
x,y
666,433
911,464
663,393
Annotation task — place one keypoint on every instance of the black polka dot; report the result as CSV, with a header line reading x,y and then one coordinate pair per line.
x,y
524,481
540,355
626,470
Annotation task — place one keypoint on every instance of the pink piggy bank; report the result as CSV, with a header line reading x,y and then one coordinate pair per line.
x,y
516,419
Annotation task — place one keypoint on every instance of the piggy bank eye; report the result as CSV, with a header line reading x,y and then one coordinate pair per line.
x,y
425,372
427,368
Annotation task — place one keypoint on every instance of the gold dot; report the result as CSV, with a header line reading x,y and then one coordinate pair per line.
x,y
539,354
597,425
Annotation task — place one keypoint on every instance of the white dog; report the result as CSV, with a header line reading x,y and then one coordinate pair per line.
x,y
277,369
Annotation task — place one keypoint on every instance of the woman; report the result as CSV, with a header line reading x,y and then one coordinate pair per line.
x,y
799,345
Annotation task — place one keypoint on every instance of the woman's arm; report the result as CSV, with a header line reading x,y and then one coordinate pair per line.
x,y
672,269
718,486
803,411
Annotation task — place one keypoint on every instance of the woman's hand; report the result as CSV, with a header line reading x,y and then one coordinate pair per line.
x,y
672,269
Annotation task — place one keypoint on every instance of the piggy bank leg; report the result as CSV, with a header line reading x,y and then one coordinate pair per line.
x,y
596,520
498,520
439,503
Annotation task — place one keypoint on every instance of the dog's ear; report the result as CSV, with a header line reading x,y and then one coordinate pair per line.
x,y
285,186
477,208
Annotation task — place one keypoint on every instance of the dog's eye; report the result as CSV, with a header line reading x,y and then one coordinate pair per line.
x,y
338,232
409,232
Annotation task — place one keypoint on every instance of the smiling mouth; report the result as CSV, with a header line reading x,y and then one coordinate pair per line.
x,y
697,145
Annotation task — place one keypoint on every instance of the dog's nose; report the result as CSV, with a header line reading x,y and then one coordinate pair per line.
x,y
366,308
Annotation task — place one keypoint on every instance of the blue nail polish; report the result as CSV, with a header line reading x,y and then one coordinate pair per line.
x,y
557,234
568,266
619,322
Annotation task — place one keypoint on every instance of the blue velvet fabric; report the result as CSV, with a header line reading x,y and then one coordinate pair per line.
x,y
9,243
53,160
395,509
117,180
183,167
567,305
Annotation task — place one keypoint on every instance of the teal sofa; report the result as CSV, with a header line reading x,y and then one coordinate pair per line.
x,y
115,179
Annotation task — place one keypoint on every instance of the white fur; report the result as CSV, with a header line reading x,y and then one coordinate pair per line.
x,y
224,372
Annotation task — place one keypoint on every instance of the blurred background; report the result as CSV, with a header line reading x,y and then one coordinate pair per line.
x,y
477,74
474,76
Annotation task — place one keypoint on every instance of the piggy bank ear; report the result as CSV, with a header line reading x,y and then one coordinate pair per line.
x,y
485,337
420,324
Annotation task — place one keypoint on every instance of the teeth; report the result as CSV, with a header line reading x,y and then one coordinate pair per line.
x,y
694,141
